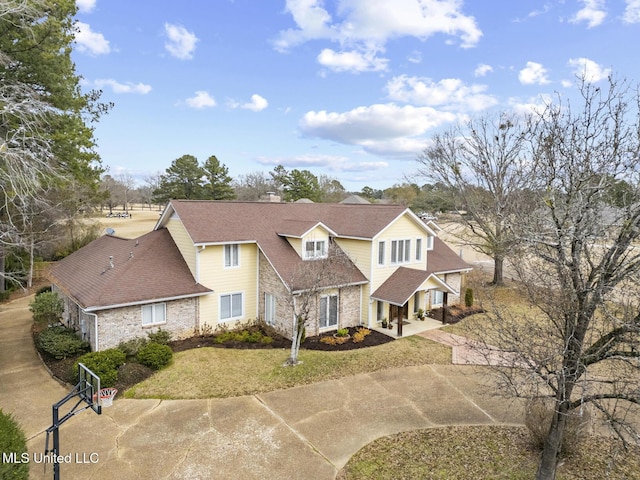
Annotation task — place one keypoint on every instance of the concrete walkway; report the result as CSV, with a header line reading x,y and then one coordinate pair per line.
x,y
307,432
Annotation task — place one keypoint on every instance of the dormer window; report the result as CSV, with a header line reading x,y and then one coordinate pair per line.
x,y
315,249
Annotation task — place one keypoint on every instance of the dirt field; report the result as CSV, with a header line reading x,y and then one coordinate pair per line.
x,y
140,222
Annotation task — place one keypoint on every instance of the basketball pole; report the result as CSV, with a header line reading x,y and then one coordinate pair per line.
x,y
78,391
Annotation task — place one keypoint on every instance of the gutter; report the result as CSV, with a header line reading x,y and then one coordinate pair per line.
x,y
95,323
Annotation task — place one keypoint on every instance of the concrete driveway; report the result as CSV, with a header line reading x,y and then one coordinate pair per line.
x,y
307,432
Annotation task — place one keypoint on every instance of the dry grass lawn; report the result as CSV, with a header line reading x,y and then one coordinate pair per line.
x,y
141,222
219,372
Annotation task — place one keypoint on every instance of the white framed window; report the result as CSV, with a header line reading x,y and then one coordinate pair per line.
x,y
328,311
381,252
437,297
418,249
400,251
269,309
154,314
315,249
231,306
232,255
429,243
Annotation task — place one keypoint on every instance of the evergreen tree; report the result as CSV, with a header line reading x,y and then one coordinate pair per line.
x,y
218,186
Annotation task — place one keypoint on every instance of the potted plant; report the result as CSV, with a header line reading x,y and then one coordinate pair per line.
x,y
390,325
384,322
420,314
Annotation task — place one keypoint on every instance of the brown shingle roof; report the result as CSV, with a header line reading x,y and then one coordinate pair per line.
x,y
144,269
264,223
442,259
401,285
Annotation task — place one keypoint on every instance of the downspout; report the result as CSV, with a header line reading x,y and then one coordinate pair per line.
x,y
95,323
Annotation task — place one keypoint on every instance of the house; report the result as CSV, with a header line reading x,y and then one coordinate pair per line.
x,y
208,264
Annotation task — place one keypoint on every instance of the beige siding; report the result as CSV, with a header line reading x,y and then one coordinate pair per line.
x,y
183,242
404,228
359,251
296,244
241,279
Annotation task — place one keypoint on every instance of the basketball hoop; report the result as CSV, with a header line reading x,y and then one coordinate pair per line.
x,y
106,396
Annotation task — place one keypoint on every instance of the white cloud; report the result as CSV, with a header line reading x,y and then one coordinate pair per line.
x,y
353,61
590,70
201,99
181,42
449,93
482,69
366,30
593,13
91,42
632,12
257,103
128,87
415,57
333,163
85,6
377,128
533,73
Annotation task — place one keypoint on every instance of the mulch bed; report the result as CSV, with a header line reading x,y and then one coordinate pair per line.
x,y
311,343
454,313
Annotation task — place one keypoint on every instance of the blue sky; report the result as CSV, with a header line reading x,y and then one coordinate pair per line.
x,y
352,89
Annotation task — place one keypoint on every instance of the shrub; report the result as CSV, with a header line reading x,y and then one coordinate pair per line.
x,y
163,337
45,289
12,439
468,297
331,340
47,308
342,332
61,342
155,355
360,334
104,364
131,347
538,416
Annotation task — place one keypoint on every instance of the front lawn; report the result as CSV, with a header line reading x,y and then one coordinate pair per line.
x,y
218,372
483,452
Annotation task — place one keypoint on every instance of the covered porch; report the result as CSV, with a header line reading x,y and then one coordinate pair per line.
x,y
402,302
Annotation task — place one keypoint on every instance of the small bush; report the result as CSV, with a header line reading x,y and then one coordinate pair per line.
x,y
468,298
47,308
12,439
251,335
360,334
45,289
538,416
61,342
331,340
155,355
163,337
342,332
131,347
104,364
4,296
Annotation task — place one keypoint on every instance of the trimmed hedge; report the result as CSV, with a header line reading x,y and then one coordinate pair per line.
x,y
104,364
61,342
47,308
12,440
155,355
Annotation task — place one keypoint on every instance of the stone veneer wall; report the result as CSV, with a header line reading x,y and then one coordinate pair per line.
x,y
122,324
348,303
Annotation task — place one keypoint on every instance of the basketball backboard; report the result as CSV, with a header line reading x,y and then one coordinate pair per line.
x,y
89,388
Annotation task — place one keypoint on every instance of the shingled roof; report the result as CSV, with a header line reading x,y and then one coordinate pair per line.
x,y
267,224
112,271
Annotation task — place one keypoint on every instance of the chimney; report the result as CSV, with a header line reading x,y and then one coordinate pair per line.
x,y
271,197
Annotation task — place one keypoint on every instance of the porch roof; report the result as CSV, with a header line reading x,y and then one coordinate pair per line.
x,y
404,283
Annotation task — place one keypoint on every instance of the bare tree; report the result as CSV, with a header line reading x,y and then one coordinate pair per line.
x,y
308,281
579,344
482,163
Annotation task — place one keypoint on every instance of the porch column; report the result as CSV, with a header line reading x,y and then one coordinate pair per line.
x,y
445,298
